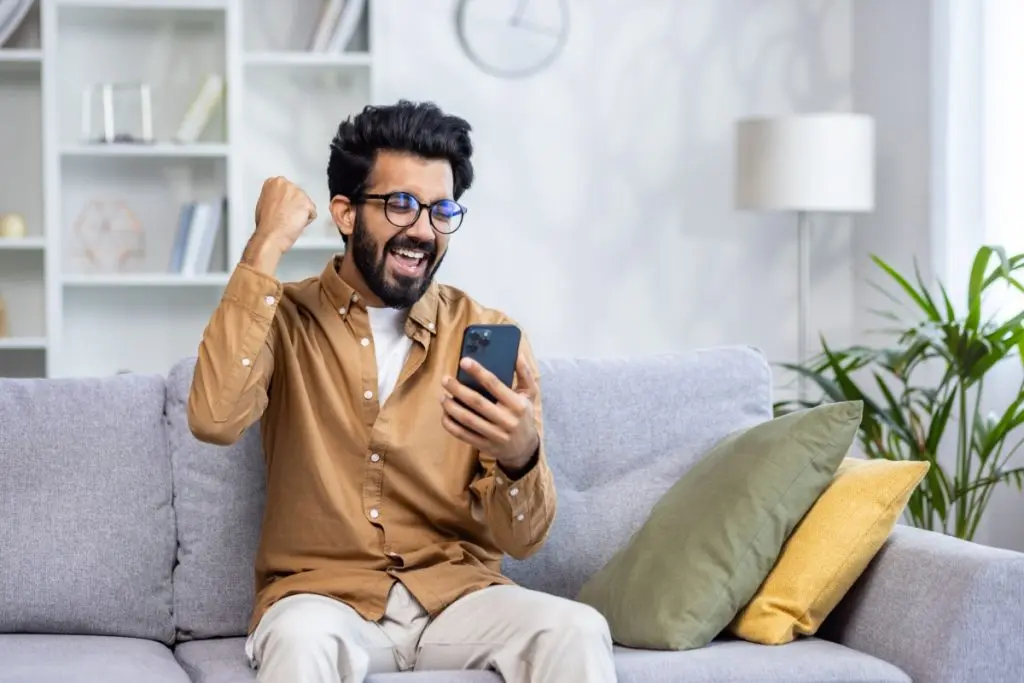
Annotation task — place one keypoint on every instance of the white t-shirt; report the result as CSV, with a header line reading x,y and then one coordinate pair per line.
x,y
391,346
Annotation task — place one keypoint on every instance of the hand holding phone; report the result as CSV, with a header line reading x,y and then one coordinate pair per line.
x,y
479,404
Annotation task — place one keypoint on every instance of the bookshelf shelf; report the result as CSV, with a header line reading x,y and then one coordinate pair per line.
x,y
303,59
29,60
22,244
171,5
326,244
198,151
22,343
145,280
103,282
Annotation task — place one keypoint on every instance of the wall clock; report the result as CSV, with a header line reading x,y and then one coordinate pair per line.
x,y
512,38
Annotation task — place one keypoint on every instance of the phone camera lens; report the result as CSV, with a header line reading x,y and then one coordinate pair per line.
x,y
485,341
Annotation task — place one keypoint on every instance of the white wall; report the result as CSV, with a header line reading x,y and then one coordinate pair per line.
x,y
892,82
602,216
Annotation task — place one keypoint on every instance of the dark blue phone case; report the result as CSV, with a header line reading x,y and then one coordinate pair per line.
x,y
495,347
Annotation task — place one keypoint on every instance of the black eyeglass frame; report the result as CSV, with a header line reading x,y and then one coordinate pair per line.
x,y
385,198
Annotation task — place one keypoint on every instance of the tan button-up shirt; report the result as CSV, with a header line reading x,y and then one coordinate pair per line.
x,y
360,495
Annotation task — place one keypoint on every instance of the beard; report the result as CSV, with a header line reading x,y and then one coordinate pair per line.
x,y
394,290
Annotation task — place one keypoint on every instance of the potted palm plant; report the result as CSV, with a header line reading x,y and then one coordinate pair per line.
x,y
924,390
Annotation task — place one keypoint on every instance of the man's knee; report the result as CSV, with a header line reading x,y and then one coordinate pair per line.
x,y
301,627
567,621
582,623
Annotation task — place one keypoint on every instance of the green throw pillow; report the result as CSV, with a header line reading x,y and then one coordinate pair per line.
x,y
716,534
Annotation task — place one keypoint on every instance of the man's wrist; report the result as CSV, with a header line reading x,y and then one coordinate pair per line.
x,y
262,254
520,468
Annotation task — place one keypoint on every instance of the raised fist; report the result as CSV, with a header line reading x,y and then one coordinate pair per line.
x,y
282,212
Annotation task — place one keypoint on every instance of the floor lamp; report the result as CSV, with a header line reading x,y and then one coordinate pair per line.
x,y
805,163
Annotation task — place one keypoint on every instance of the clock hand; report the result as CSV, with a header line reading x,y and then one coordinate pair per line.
x,y
517,16
536,28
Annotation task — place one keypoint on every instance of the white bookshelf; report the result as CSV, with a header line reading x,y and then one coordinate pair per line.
x,y
77,304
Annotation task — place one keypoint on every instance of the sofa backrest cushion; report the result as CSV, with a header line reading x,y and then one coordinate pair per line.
x,y
87,538
619,433
218,500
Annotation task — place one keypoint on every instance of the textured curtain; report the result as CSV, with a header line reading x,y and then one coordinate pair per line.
x,y
978,181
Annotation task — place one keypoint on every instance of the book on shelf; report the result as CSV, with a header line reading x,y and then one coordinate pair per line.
x,y
199,113
338,23
199,224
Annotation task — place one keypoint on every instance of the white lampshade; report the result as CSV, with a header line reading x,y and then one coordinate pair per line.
x,y
811,162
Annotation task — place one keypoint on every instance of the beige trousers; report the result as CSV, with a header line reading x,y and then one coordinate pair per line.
x,y
526,636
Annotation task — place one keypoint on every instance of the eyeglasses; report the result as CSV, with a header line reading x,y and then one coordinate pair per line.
x,y
403,209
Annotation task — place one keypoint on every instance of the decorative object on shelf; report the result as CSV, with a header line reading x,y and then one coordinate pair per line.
x,y
12,226
930,380
809,162
201,110
12,14
125,112
4,331
110,235
338,23
512,38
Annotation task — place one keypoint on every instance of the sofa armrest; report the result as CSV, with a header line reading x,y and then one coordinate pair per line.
x,y
942,609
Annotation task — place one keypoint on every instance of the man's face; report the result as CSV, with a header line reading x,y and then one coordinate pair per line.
x,y
398,263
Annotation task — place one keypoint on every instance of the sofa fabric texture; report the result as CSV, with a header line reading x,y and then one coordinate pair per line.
x,y
218,500
86,521
126,545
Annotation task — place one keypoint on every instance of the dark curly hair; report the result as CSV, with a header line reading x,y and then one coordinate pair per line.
x,y
418,128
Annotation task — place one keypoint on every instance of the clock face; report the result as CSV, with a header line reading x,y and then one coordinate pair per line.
x,y
512,38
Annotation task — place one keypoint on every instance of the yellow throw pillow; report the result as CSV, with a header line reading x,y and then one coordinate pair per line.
x,y
829,549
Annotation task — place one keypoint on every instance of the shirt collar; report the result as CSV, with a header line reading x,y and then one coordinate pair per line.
x,y
343,297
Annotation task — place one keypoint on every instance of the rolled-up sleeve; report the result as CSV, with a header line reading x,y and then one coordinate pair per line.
x,y
235,359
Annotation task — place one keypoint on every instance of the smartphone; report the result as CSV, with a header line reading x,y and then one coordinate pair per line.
x,y
495,347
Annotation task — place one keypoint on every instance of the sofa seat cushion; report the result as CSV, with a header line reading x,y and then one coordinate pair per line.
x,y
30,658
808,660
223,660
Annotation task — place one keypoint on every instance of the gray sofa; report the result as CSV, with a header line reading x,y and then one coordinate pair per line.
x,y
126,545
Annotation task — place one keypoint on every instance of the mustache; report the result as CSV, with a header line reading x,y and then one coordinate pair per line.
x,y
406,242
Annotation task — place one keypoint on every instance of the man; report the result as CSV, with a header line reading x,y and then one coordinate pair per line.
x,y
393,491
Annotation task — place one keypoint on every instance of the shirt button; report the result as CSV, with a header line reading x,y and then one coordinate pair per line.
x,y
355,297
269,301
364,341
341,310
497,480
513,491
374,457
430,326
374,514
368,395
520,517
246,362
